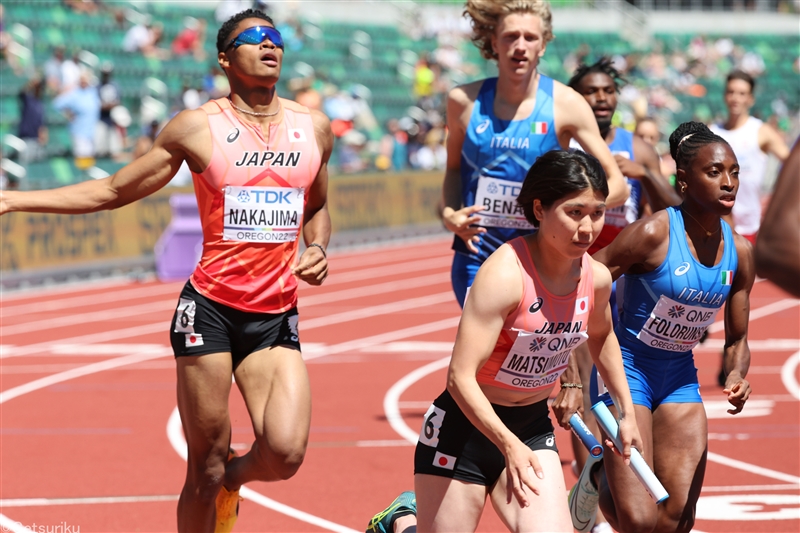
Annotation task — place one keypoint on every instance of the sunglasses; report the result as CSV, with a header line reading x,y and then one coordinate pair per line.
x,y
257,35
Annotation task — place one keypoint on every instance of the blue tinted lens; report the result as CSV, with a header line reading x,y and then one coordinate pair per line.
x,y
258,35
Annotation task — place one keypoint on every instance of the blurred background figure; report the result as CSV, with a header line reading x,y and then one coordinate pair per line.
x,y
647,129
111,135
32,128
81,105
190,39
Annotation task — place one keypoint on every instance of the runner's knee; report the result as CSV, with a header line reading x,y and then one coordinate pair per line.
x,y
207,472
284,461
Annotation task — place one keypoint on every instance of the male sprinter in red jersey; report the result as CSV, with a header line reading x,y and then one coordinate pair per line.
x,y
259,165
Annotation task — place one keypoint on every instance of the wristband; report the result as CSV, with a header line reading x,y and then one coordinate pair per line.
x,y
571,386
320,247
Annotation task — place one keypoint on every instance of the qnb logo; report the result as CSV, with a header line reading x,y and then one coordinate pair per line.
x,y
682,269
480,128
535,306
537,344
243,197
233,135
676,311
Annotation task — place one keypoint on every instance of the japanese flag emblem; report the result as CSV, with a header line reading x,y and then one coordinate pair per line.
x,y
297,135
582,305
442,460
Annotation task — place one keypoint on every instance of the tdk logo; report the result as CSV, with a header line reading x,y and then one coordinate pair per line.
x,y
268,197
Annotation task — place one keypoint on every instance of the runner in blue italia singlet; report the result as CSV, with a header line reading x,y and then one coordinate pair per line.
x,y
680,266
666,312
495,156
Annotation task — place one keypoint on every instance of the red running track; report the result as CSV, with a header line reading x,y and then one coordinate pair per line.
x,y
88,438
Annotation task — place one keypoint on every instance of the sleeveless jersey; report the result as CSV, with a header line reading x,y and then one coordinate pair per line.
x,y
619,217
495,157
665,312
533,348
251,199
752,168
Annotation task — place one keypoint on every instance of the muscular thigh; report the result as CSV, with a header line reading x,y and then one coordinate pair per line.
x,y
274,384
446,504
680,438
548,511
629,496
204,384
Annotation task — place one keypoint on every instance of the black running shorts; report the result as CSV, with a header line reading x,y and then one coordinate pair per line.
x,y
450,446
202,326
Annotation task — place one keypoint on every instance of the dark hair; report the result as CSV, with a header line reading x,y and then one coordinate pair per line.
x,y
555,175
741,75
224,33
604,65
687,139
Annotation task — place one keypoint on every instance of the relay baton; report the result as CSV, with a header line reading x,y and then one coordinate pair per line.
x,y
586,437
638,464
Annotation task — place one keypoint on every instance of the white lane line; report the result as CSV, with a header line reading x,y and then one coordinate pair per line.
x,y
715,345
753,469
178,442
789,375
372,290
45,502
367,342
88,300
761,312
751,488
386,257
81,371
92,338
82,318
384,309
6,524
391,406
389,270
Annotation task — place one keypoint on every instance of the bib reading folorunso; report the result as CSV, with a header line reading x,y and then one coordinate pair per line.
x,y
676,326
499,200
262,214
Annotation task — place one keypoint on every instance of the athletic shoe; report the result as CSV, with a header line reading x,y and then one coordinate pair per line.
x,y
227,505
383,522
583,498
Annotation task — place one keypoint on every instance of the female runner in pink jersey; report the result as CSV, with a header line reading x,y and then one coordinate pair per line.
x,y
533,301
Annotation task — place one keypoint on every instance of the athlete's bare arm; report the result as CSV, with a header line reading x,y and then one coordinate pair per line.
x,y
574,119
494,295
456,217
646,168
771,142
569,400
736,354
185,138
604,347
778,244
312,267
639,248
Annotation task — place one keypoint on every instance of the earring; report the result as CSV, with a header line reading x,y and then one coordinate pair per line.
x,y
683,187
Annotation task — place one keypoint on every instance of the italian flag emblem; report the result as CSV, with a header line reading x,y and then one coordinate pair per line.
x,y
539,128
727,277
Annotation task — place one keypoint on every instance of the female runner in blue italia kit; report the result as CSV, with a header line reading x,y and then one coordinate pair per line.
x,y
499,126
680,266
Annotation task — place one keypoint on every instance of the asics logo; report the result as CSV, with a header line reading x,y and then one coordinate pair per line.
x,y
233,135
480,128
682,269
549,441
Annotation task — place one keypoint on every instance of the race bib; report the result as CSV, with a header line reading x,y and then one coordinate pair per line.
x,y
262,214
675,326
499,200
537,360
